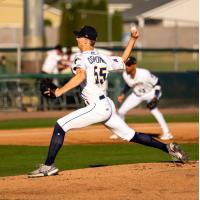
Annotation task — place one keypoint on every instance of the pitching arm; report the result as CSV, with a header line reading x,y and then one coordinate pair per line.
x,y
131,44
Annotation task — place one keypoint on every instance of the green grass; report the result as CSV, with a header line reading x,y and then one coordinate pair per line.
x,y
27,123
164,61
192,117
49,122
17,160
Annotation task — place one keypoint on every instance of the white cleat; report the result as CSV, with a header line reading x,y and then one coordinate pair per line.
x,y
43,170
168,136
176,152
114,137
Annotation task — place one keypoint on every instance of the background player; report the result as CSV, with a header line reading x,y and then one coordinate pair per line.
x,y
145,87
91,69
50,65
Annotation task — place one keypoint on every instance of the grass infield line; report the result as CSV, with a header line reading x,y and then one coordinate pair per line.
x,y
49,122
16,160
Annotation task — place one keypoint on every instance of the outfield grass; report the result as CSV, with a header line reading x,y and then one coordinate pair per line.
x,y
192,117
165,61
17,160
49,122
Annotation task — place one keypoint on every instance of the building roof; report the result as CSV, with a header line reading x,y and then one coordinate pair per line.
x,y
170,10
138,7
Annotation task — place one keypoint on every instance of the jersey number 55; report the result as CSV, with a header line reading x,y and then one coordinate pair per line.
x,y
100,74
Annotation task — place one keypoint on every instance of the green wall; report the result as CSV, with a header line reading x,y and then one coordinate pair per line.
x,y
178,88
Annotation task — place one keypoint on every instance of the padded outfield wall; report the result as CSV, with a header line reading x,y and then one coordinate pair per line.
x,y
22,91
178,88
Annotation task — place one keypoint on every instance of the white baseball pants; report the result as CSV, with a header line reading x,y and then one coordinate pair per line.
x,y
132,101
101,111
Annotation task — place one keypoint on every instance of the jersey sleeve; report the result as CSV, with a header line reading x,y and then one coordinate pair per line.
x,y
152,79
77,63
116,63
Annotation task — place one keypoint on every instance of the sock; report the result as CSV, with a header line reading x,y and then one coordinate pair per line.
x,y
55,145
147,140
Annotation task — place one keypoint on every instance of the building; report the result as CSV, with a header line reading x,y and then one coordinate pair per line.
x,y
152,16
11,22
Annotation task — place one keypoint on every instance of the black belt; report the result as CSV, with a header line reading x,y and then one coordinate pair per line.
x,y
102,97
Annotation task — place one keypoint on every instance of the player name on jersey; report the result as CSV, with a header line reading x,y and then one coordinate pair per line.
x,y
96,59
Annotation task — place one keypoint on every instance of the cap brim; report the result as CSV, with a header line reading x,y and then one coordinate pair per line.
x,y
78,34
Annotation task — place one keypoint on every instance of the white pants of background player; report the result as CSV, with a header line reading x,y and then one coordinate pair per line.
x,y
100,111
132,101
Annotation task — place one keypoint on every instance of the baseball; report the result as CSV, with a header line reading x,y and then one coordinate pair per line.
x,y
133,29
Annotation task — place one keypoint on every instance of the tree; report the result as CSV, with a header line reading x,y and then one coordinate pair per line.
x,y
117,26
89,12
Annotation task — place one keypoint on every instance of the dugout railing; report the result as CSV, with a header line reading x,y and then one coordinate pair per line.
x,y
21,91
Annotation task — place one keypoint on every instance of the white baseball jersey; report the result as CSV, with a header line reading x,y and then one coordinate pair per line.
x,y
51,62
97,67
142,83
100,108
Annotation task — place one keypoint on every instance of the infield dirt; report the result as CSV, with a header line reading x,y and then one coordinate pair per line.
x,y
147,181
157,181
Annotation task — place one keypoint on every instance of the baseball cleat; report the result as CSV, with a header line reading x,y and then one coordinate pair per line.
x,y
114,137
176,152
166,137
43,170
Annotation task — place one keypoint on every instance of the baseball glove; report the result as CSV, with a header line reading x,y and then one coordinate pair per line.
x,y
47,88
153,103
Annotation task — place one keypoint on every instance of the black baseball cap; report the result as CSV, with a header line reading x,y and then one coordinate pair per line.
x,y
131,60
87,32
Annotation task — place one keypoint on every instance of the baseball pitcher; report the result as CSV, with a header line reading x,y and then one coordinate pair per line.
x,y
90,70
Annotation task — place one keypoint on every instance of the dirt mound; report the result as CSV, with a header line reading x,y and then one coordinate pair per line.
x,y
152,181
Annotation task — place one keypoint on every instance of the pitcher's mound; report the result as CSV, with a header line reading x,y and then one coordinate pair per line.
x,y
152,181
